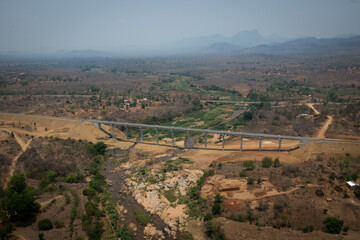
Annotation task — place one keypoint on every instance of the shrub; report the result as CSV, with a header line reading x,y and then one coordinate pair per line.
x,y
45,224
346,228
213,231
238,218
250,181
90,208
249,165
266,162
308,229
90,192
74,178
124,234
242,174
170,196
96,149
207,217
276,162
216,209
58,224
218,198
333,225
142,217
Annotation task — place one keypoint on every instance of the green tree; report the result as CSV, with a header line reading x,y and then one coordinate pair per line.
x,y
216,209
19,201
248,115
333,225
249,165
266,162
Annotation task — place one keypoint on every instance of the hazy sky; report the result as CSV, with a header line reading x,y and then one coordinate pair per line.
x,y
32,25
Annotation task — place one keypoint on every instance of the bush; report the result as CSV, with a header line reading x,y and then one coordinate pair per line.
x,y
45,224
242,174
238,218
90,208
276,162
333,225
213,231
124,234
58,224
96,149
266,162
249,165
142,217
308,229
90,192
207,217
169,194
216,209
5,231
74,178
218,198
250,181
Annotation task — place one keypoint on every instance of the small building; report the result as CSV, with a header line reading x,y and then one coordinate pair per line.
x,y
304,114
351,185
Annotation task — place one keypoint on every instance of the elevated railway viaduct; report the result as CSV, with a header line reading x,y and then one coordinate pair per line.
x,y
205,132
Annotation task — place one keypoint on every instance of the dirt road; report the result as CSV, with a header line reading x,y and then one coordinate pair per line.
x,y
323,129
24,146
310,105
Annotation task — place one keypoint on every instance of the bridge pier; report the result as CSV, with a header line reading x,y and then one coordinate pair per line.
x,y
113,135
279,144
141,135
241,143
127,133
172,137
99,126
259,144
188,138
205,139
157,136
223,141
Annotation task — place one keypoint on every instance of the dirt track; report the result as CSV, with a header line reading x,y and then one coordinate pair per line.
x,y
324,128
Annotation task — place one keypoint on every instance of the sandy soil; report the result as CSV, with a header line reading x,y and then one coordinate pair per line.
x,y
203,158
313,149
60,128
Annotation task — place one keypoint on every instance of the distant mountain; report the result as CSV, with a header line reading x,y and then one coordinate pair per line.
x,y
312,45
244,39
222,47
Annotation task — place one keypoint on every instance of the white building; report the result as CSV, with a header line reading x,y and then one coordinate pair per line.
x,y
351,184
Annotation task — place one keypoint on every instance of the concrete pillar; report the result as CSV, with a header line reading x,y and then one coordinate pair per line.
x,y
205,139
141,135
172,137
259,144
113,135
157,136
99,125
127,133
223,141
241,143
188,137
279,144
